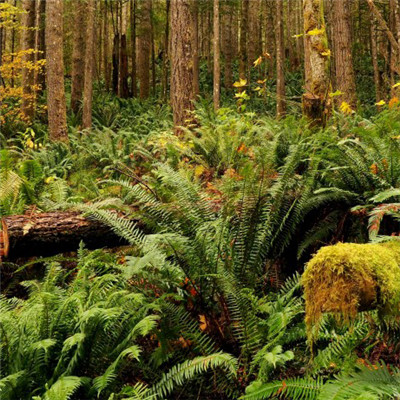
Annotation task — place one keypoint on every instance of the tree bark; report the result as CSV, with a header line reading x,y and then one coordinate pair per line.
x,y
55,71
196,86
166,55
217,64
52,233
270,37
384,26
133,47
374,56
253,29
342,38
89,64
123,90
316,102
106,51
144,45
228,34
28,45
78,55
41,44
243,39
181,62
280,62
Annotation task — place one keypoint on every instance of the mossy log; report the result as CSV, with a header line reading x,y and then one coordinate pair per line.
x,y
45,234
346,278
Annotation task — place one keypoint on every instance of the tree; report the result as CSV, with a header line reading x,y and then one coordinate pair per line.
x,y
78,55
89,63
144,47
133,46
216,50
28,46
243,39
344,71
280,62
253,29
196,87
181,62
55,71
229,33
316,101
41,43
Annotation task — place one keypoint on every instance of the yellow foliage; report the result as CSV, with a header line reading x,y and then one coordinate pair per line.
x,y
345,108
198,170
380,103
241,83
258,61
316,32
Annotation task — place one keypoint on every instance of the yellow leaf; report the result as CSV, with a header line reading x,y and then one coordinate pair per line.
x,y
396,85
316,31
335,94
380,103
345,108
199,170
298,35
258,61
203,322
240,83
326,53
261,82
30,143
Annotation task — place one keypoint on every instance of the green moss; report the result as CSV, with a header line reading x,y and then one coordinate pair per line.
x,y
346,278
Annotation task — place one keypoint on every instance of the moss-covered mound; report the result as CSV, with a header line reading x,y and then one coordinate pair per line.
x,y
347,278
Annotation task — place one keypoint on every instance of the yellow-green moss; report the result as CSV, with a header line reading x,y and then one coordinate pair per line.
x,y
346,278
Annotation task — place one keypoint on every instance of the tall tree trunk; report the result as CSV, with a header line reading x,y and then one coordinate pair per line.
x,y
166,54
41,44
196,86
216,51
181,62
133,47
253,29
89,64
144,44
228,34
342,39
270,37
28,43
56,106
374,56
316,102
280,62
78,55
106,51
115,63
123,90
243,39
13,47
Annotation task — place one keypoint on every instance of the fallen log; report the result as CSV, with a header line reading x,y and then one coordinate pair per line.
x,y
52,233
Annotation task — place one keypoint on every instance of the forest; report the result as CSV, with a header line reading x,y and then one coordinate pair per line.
x,y
199,199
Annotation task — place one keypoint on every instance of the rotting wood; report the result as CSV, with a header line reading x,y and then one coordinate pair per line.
x,y
51,233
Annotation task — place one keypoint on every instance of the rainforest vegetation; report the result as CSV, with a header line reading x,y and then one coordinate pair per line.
x,y
199,199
